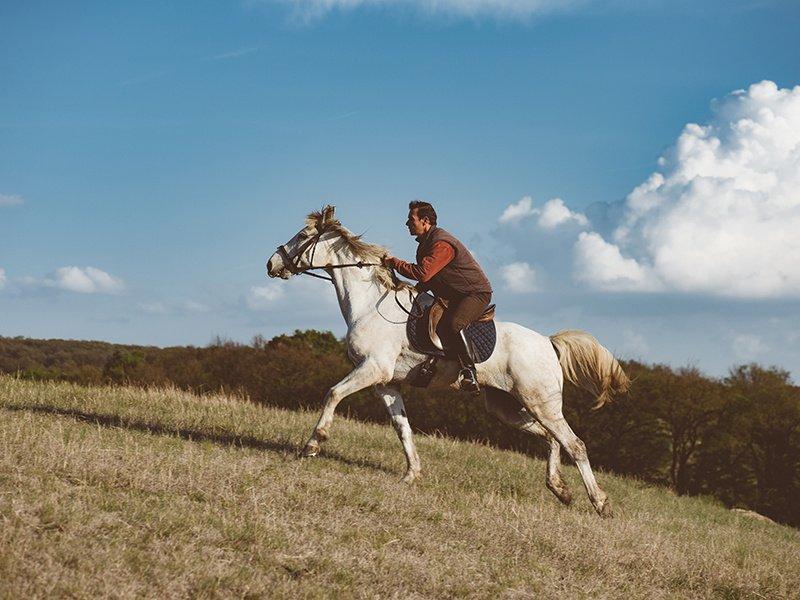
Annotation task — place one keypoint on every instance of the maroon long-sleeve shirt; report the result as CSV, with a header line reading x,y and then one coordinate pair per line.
x,y
441,253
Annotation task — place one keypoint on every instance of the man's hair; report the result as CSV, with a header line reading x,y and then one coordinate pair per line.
x,y
424,210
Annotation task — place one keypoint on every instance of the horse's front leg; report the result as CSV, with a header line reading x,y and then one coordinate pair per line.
x,y
366,374
397,411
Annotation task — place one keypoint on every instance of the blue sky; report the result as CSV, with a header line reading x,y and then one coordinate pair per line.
x,y
152,155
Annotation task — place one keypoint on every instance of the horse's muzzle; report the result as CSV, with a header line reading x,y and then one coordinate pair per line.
x,y
274,266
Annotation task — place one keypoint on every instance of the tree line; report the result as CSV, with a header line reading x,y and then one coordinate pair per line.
x,y
735,438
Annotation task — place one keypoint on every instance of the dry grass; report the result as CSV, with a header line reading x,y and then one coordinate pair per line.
x,y
120,492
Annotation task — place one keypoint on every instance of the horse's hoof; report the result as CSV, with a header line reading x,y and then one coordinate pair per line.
x,y
565,497
410,477
561,492
310,450
606,512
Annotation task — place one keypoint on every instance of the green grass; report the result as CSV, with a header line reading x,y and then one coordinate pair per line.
x,y
123,492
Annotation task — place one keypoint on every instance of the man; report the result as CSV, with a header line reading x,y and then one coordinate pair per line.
x,y
446,267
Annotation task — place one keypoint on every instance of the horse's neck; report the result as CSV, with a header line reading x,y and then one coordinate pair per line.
x,y
356,290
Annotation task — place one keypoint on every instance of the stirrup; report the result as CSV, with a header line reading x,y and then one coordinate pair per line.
x,y
426,373
467,381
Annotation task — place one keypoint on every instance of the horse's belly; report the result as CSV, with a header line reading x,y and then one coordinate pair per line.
x,y
409,362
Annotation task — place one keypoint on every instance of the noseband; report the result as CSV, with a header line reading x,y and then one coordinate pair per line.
x,y
293,262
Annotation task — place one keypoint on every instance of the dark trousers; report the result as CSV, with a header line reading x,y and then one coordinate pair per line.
x,y
461,311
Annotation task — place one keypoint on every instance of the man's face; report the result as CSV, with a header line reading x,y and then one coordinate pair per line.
x,y
417,226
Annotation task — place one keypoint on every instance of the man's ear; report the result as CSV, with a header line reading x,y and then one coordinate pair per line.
x,y
327,214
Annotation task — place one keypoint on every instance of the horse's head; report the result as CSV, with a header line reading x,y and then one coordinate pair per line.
x,y
307,248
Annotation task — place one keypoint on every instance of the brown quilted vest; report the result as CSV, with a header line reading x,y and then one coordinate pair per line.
x,y
462,275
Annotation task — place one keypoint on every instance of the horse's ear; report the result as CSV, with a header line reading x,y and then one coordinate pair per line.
x,y
327,213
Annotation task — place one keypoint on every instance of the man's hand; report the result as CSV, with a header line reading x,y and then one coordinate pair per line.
x,y
388,261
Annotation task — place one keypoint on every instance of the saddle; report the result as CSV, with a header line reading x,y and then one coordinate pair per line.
x,y
426,313
435,312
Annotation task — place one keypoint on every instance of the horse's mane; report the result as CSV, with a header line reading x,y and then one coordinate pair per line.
x,y
324,220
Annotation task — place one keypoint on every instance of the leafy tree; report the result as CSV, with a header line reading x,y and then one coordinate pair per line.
x,y
767,424
686,404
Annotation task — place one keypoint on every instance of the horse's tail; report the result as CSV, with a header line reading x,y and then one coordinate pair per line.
x,y
587,364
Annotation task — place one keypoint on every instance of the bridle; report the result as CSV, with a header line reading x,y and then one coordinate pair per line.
x,y
293,264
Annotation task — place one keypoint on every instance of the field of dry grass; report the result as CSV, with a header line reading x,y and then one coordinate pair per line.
x,y
121,492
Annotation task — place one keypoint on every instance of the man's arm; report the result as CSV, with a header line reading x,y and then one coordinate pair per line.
x,y
441,253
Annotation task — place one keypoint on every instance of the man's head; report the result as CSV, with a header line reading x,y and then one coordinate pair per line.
x,y
421,218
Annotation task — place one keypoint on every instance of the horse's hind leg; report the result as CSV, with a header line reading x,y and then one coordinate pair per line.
x,y
548,412
397,411
555,482
506,408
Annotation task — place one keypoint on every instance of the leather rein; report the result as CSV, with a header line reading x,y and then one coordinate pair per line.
x,y
293,264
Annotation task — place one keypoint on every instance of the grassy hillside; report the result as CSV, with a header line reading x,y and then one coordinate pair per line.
x,y
122,492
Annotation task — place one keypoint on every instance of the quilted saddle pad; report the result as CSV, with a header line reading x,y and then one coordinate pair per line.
x,y
481,335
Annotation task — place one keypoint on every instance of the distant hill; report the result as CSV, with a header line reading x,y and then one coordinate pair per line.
x,y
119,492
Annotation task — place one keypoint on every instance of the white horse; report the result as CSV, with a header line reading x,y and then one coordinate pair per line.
x,y
523,377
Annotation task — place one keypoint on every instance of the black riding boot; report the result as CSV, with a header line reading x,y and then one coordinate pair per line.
x,y
467,378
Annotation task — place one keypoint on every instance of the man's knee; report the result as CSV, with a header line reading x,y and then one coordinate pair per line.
x,y
460,318
459,322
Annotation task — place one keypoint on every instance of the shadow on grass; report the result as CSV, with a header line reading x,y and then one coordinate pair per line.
x,y
284,448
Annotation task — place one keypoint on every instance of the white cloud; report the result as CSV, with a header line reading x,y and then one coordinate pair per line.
x,y
193,306
634,344
264,296
2,278
601,265
555,213
153,308
160,308
551,215
87,280
517,211
722,215
748,347
519,277
504,9
10,199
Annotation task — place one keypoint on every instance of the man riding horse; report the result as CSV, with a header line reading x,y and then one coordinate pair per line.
x,y
445,267
524,374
